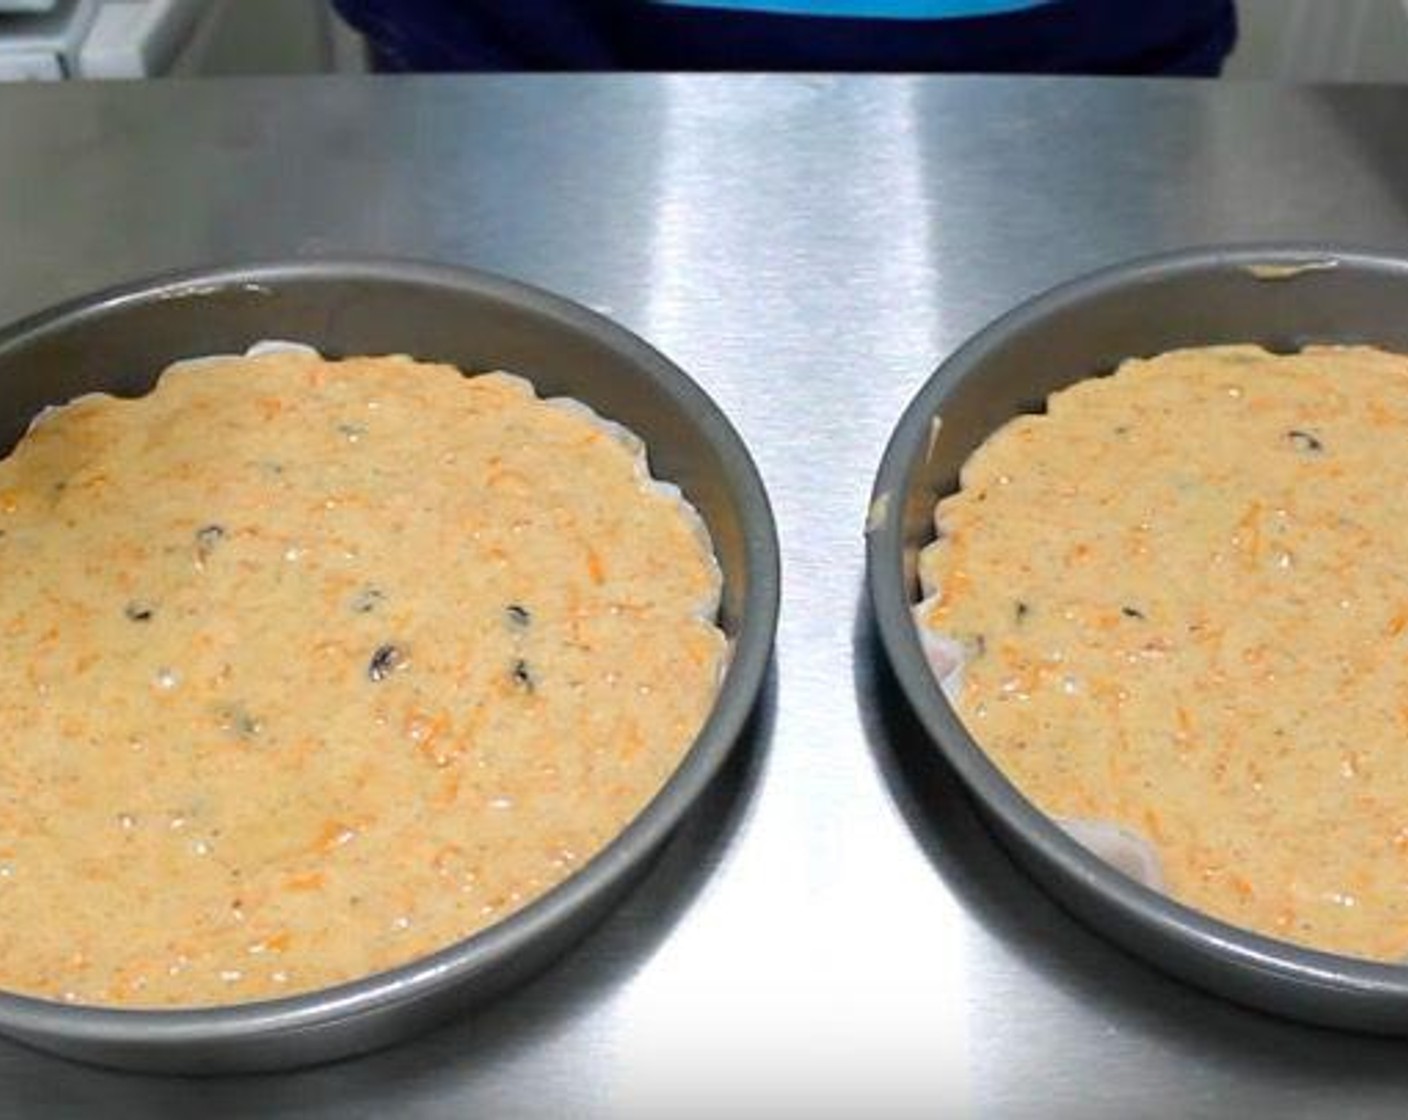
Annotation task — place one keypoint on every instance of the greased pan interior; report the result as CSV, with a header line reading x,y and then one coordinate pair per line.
x,y
120,339
1280,296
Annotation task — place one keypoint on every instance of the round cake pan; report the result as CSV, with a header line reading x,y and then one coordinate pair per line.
x,y
1282,297
119,340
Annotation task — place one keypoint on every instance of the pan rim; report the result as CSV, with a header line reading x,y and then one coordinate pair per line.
x,y
1351,983
159,1029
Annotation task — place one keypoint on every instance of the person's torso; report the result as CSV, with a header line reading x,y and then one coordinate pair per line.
x,y
1034,36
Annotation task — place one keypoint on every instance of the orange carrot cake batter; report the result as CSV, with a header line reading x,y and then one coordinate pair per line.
x,y
314,667
1180,604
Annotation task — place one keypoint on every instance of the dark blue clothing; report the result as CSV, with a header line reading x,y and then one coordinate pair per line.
x,y
1175,37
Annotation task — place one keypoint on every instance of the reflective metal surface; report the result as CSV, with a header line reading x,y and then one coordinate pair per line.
x,y
837,932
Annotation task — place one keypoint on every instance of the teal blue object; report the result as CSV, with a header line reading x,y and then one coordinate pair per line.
x,y
866,9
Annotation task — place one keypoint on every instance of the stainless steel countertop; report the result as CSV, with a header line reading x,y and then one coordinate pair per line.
x,y
835,934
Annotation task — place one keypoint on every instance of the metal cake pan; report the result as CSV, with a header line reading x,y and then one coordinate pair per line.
x,y
119,340
1280,296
